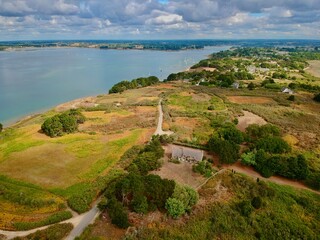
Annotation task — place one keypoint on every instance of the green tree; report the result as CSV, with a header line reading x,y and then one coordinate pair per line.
x,y
188,196
69,123
139,203
248,159
175,207
52,127
273,145
117,213
1,127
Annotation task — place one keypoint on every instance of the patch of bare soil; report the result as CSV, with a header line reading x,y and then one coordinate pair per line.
x,y
249,100
182,173
249,118
82,102
314,68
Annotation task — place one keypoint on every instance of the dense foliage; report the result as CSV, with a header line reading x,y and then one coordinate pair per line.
x,y
204,167
66,122
141,192
252,211
1,127
135,83
225,142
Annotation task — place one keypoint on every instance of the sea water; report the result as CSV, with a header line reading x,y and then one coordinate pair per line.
x,y
34,80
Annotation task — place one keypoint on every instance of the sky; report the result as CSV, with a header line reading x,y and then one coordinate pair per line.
x,y
159,19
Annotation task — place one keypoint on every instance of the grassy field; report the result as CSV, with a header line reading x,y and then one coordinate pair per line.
x,y
72,166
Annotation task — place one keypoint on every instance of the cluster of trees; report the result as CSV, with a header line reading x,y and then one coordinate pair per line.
x,y
304,86
141,192
225,142
267,154
135,83
60,124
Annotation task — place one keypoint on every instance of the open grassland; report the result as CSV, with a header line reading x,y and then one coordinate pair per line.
x,y
74,167
19,199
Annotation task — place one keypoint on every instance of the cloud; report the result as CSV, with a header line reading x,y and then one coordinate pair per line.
x,y
158,19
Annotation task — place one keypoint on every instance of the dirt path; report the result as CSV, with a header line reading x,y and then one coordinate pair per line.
x,y
80,222
249,171
159,130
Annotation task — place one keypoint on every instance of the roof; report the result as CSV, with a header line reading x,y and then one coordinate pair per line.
x,y
185,152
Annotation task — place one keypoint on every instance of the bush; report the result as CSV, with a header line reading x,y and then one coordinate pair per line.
x,y
317,97
1,127
139,204
248,159
211,107
231,133
188,196
204,168
291,98
313,180
175,207
256,202
245,208
254,131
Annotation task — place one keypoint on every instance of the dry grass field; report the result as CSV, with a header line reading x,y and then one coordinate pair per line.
x,y
314,68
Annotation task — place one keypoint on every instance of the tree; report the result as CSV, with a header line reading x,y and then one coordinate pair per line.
x,y
273,145
175,207
69,123
117,213
1,127
139,203
52,127
231,133
188,196
227,151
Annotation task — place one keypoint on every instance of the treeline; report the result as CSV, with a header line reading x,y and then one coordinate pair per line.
x,y
135,83
141,192
60,124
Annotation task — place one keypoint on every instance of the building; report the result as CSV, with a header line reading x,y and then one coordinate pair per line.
x,y
287,90
186,154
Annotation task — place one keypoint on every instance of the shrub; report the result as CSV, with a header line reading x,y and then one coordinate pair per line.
x,y
313,180
291,98
1,127
251,86
248,159
211,107
204,168
188,196
317,97
256,202
245,208
175,207
139,204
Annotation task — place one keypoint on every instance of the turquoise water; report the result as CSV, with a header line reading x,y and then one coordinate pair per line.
x,y
32,81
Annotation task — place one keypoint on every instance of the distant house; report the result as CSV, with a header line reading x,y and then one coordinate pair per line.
x,y
287,90
236,85
186,154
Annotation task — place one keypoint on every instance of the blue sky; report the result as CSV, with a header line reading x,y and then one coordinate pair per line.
x,y
159,19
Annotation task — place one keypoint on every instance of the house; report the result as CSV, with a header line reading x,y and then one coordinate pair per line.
x,y
286,90
236,85
186,154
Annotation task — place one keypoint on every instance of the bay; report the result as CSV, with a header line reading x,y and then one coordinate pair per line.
x,y
32,81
